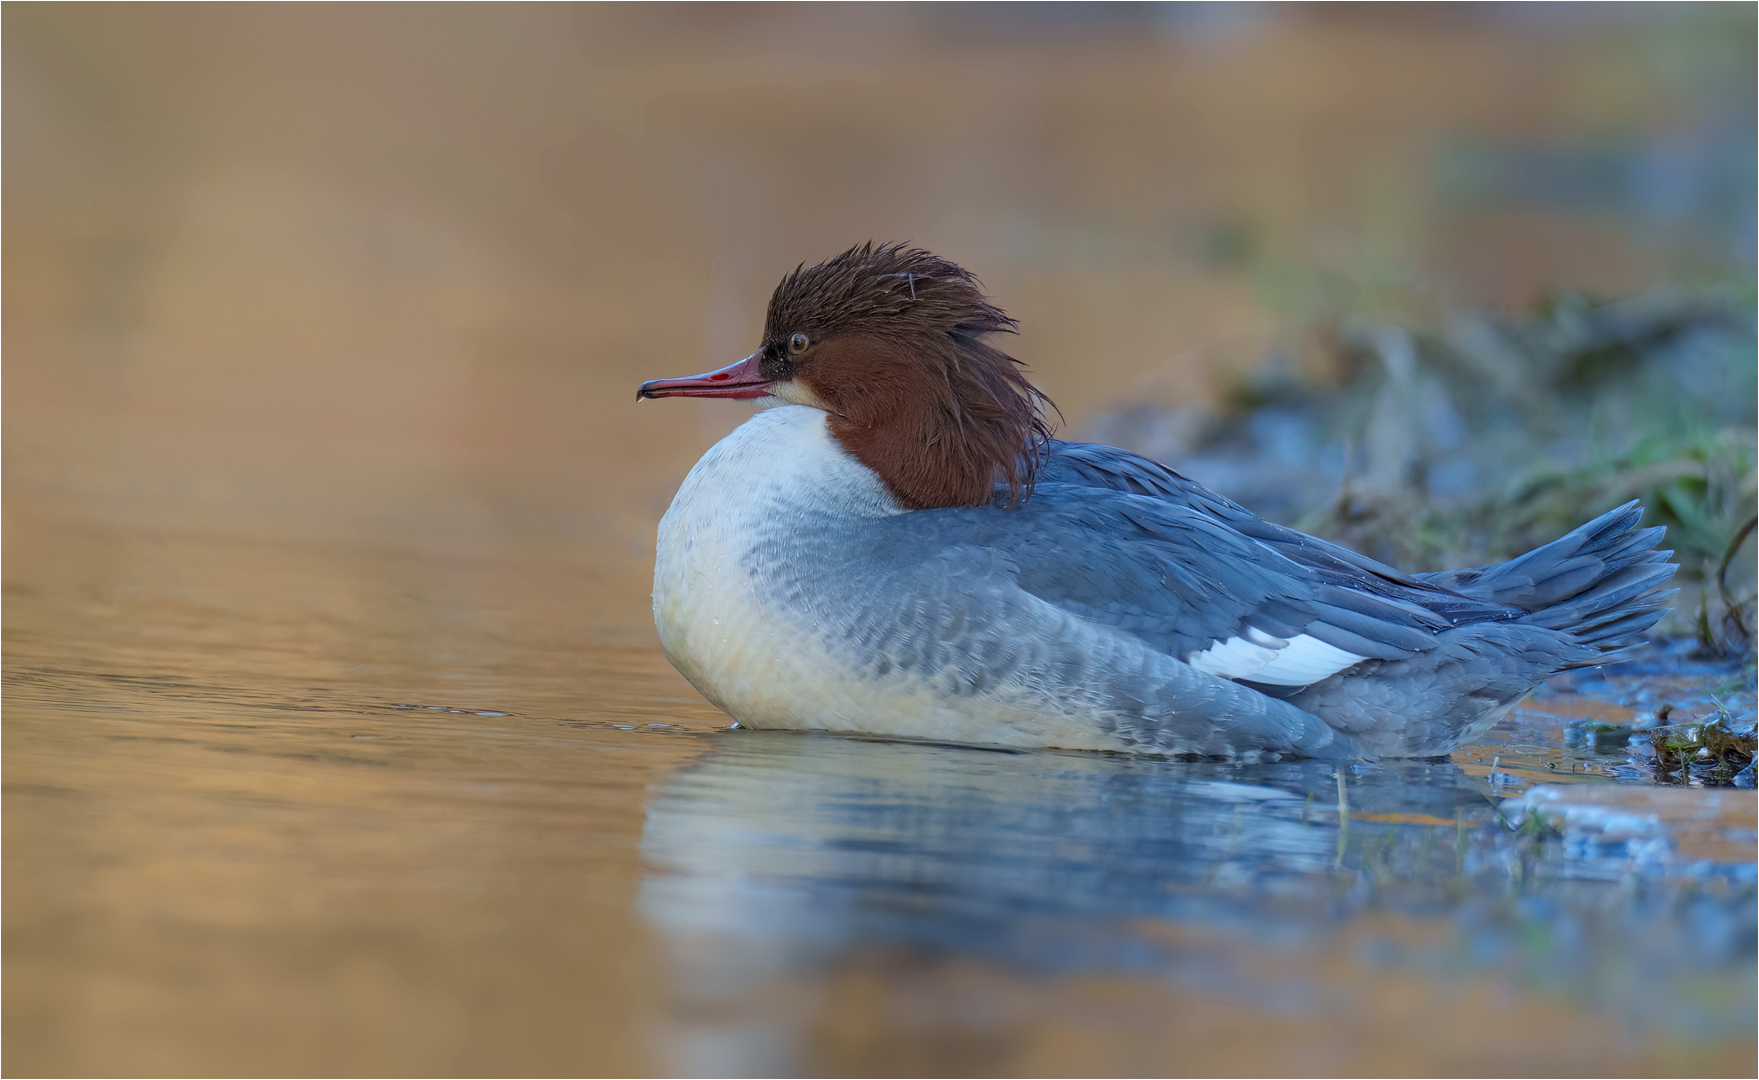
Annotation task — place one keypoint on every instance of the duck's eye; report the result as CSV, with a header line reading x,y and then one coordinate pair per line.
x,y
797,344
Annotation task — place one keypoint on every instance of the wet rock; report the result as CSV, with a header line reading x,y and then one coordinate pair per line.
x,y
1619,828
1713,751
1597,735
1646,721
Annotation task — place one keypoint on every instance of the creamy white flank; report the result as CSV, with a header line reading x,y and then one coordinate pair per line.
x,y
1260,657
769,668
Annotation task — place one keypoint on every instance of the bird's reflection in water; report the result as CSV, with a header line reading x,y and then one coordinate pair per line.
x,y
777,855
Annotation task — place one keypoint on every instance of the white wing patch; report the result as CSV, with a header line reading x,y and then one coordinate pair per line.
x,y
1258,657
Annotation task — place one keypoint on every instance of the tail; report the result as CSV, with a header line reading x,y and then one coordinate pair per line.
x,y
1600,583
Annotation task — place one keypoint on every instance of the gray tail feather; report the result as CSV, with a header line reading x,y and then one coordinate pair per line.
x,y
1601,583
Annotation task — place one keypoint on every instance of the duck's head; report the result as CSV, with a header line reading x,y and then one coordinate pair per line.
x,y
888,341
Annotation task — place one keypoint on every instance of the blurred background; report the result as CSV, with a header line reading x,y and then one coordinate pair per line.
x,y
323,325
258,251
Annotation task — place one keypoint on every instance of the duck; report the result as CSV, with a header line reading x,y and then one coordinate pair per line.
x,y
895,546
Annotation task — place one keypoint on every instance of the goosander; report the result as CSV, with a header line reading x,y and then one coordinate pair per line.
x,y
895,546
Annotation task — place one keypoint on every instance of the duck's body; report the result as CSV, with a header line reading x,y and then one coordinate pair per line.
x,y
779,591
801,583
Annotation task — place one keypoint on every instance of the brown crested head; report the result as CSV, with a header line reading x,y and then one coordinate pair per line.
x,y
889,341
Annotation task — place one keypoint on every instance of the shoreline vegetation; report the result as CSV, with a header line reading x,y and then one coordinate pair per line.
x,y
1434,448
1476,440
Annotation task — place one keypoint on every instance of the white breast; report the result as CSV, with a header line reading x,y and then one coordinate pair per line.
x,y
717,627
767,664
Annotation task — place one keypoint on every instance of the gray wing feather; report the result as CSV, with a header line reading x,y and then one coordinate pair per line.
x,y
1172,575
1093,466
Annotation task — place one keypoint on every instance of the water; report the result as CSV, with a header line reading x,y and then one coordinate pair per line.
x,y
333,805
256,821
982,899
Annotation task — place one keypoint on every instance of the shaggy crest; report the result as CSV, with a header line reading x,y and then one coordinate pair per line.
x,y
914,393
